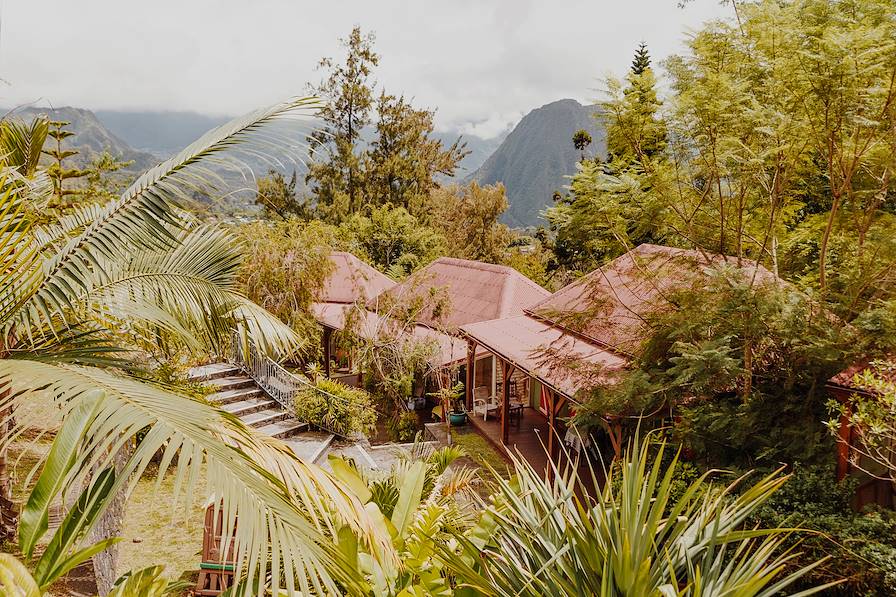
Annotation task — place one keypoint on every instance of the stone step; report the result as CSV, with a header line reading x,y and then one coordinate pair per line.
x,y
322,450
228,396
231,382
247,407
264,417
284,429
309,445
212,371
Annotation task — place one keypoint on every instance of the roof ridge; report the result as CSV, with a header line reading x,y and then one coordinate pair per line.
x,y
507,292
506,270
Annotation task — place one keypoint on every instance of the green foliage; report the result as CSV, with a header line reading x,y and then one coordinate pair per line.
x,y
57,172
401,163
861,544
285,265
403,427
414,503
404,160
635,537
468,217
641,61
348,98
743,367
391,239
336,407
581,139
277,197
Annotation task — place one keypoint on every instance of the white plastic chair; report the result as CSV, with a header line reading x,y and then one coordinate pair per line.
x,y
483,403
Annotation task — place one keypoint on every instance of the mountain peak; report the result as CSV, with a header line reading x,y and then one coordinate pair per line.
x,y
538,157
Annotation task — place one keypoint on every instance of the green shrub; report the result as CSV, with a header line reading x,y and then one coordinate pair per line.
x,y
404,427
336,407
862,545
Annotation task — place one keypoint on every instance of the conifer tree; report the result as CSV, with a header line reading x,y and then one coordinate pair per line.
x,y
348,99
57,171
641,61
581,139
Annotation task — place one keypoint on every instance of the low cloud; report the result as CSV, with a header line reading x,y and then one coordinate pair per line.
x,y
482,65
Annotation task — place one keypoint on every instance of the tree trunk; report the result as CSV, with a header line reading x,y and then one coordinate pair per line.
x,y
105,563
8,514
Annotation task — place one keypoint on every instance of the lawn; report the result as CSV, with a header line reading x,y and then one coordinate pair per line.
x,y
155,530
158,531
482,454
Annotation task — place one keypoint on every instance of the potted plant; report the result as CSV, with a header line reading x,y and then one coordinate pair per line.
x,y
452,402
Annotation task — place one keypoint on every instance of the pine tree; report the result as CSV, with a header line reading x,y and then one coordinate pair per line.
x,y
404,159
348,95
641,61
57,172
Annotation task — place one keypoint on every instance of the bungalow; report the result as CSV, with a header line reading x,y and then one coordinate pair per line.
x,y
525,354
873,487
583,335
474,291
352,281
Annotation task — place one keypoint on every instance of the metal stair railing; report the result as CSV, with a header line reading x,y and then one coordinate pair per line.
x,y
274,379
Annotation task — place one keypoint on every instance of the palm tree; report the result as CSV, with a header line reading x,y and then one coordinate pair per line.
x,y
78,294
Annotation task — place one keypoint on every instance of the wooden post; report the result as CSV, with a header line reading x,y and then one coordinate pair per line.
x,y
552,421
614,428
844,444
328,334
506,371
471,374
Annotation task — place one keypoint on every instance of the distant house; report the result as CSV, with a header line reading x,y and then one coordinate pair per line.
x,y
844,389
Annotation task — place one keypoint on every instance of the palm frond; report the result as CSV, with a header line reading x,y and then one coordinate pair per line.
x,y
146,215
19,258
21,143
280,500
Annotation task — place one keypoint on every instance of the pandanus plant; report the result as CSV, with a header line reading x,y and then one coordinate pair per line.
x,y
637,537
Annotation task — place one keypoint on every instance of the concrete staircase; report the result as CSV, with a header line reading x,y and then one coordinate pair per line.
x,y
239,395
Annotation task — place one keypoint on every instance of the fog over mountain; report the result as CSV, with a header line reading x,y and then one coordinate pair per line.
x,y
162,133
533,159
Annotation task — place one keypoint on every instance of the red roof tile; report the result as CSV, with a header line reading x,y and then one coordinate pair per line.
x,y
372,326
476,291
563,361
609,304
352,280
883,368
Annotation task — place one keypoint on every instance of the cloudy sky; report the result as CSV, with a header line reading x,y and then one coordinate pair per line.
x,y
482,64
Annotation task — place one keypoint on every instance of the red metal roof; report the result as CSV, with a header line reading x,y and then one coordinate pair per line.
x,y
476,291
562,360
884,368
609,304
372,326
352,280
